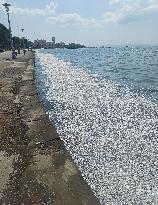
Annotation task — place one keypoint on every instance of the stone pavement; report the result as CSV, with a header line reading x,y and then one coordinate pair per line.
x,y
35,168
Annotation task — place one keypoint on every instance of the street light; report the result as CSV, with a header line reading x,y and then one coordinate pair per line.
x,y
23,38
28,44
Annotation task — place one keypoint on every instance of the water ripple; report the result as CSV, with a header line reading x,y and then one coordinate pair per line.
x,y
111,133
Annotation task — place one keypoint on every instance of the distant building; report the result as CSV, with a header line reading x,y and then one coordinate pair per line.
x,y
62,44
50,45
40,43
53,40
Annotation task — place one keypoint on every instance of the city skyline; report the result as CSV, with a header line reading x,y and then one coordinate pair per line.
x,y
87,22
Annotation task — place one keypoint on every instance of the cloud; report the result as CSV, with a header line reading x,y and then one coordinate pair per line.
x,y
151,8
122,11
48,10
130,10
131,2
112,17
72,19
1,2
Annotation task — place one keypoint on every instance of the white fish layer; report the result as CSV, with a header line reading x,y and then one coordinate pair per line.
x,y
111,133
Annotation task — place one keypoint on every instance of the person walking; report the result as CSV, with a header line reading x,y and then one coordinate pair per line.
x,y
13,53
18,50
24,52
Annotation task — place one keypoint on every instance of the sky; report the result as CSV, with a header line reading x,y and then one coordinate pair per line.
x,y
89,22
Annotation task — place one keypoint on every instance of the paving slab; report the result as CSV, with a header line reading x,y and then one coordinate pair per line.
x,y
35,167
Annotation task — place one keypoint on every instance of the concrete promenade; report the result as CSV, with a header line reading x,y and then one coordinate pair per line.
x,y
35,168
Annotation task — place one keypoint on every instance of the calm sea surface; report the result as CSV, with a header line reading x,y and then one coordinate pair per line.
x,y
104,104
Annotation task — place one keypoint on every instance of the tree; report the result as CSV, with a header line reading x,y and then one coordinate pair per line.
x,y
74,46
4,37
17,42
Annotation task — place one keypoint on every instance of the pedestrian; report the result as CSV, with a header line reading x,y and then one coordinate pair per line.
x,y
13,53
18,50
24,51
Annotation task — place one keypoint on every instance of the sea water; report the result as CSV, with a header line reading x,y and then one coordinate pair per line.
x,y
104,104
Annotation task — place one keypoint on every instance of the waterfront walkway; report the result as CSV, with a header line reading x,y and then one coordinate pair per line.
x,y
35,168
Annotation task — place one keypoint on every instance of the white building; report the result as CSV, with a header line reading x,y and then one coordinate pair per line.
x,y
53,40
40,43
44,44
51,44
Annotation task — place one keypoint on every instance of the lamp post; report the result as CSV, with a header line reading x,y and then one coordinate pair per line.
x,y
6,5
23,38
28,44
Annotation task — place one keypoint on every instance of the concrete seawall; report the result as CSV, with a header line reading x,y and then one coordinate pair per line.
x,y
35,167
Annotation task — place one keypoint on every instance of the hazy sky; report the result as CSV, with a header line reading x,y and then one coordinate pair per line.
x,y
92,22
